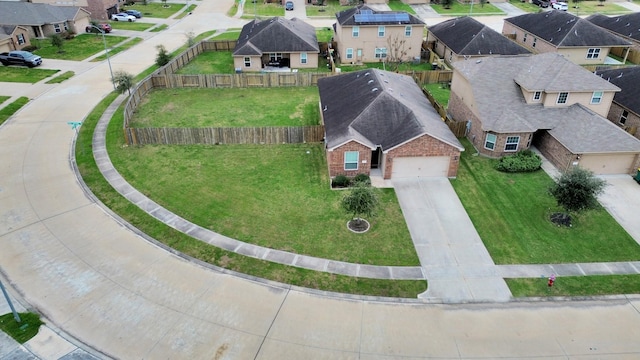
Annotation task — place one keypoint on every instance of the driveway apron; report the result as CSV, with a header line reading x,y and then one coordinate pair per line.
x,y
457,265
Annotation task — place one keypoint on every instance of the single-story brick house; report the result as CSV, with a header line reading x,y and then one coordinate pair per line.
x,y
625,109
511,103
379,121
276,42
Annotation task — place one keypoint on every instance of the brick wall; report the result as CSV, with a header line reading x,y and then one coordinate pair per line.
x,y
555,152
335,160
632,125
423,146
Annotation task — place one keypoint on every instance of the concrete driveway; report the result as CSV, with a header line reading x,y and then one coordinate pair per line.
x,y
621,198
455,261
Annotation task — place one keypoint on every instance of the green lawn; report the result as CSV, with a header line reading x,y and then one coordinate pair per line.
x,y
397,5
423,66
228,35
24,74
208,253
594,7
12,108
4,98
324,34
209,62
329,9
20,331
120,48
186,11
511,214
62,77
159,28
235,107
155,10
525,5
133,26
458,9
440,93
78,48
264,10
576,286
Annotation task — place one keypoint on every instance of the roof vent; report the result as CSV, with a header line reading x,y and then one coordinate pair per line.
x,y
478,61
325,108
374,89
366,74
370,81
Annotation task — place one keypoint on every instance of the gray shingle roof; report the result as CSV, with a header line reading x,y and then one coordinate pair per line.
x,y
564,30
625,25
467,36
23,13
627,79
503,109
348,17
276,35
376,107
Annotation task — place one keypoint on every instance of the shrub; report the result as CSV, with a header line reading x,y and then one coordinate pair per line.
x,y
522,161
340,181
362,178
30,48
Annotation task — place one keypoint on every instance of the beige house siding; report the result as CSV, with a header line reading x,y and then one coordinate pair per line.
x,y
584,98
255,63
632,123
294,58
368,41
424,145
13,41
579,55
335,159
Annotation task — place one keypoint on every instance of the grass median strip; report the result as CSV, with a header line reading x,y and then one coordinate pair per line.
x,y
7,111
23,74
62,77
576,286
118,49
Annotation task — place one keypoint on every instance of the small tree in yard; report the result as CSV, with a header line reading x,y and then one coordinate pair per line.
x,y
57,41
123,81
361,200
577,189
163,57
398,50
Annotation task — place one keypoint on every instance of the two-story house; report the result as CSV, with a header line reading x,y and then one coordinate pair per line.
x,y
627,27
365,35
557,31
512,103
625,110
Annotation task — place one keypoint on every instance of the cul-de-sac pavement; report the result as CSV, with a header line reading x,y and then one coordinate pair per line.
x,y
105,290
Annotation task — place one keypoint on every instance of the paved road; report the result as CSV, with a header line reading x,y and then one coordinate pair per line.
x,y
119,294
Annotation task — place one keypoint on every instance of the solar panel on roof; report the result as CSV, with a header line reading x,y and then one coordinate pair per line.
x,y
381,18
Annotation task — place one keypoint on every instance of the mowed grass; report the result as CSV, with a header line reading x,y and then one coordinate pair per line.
x,y
120,48
511,214
209,62
62,77
458,9
21,331
78,48
7,111
156,10
133,26
24,74
329,9
576,286
439,92
236,107
595,7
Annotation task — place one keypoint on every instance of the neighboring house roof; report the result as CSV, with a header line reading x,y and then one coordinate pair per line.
x,y
364,15
564,30
626,79
467,36
625,25
378,108
502,108
276,35
24,13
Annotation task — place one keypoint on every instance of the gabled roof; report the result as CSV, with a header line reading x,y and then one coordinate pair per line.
x,y
467,36
276,35
503,109
378,108
625,25
363,15
627,79
564,30
24,13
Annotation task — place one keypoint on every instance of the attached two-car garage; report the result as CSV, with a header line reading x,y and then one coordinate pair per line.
x,y
420,166
606,164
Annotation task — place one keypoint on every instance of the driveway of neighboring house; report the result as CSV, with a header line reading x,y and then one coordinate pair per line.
x,y
299,10
457,265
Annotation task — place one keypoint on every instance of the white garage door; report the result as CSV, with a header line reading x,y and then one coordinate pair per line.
x,y
607,164
425,166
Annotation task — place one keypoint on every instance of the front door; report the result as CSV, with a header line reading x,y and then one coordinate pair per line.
x,y
375,158
359,55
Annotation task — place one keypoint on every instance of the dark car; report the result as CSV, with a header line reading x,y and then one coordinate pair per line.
x,y
104,27
288,5
541,3
19,57
135,13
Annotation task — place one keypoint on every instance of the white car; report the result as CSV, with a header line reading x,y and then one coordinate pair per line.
x,y
560,6
123,17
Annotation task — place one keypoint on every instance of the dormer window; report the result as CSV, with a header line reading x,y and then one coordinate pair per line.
x,y
562,98
596,98
537,95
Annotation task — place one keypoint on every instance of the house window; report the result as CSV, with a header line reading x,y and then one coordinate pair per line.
x,y
303,58
351,160
21,39
593,53
524,39
490,141
349,53
512,143
273,57
535,40
56,27
66,27
407,30
562,98
537,95
623,117
247,61
596,98
381,53
380,31
355,31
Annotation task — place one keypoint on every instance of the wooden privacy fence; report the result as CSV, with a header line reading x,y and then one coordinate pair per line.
x,y
215,136
242,80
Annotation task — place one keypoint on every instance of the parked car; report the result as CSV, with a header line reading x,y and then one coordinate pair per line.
x,y
104,27
560,6
123,17
541,3
288,6
19,57
135,13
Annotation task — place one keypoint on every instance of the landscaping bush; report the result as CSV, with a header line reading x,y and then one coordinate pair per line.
x,y
522,161
362,178
30,48
340,181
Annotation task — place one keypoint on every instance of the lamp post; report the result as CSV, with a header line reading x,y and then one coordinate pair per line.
x,y
16,317
107,53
